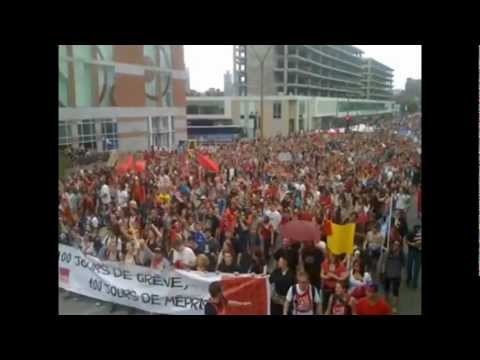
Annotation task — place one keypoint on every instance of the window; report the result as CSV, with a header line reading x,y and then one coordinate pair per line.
x,y
302,108
159,124
64,133
208,108
104,52
277,110
82,52
86,134
161,140
106,79
109,135
83,84
63,83
300,123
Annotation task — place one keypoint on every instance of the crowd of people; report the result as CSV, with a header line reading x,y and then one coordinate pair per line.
x,y
177,213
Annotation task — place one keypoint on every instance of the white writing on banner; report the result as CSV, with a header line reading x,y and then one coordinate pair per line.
x,y
170,291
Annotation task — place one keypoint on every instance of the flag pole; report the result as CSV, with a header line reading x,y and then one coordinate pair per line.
x,y
389,223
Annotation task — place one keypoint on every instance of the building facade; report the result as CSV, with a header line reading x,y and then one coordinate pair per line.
x,y
125,97
306,70
223,119
377,81
228,84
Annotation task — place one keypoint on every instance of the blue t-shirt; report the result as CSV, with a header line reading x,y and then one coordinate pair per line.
x,y
200,239
184,189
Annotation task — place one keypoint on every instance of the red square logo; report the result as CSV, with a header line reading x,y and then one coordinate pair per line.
x,y
64,274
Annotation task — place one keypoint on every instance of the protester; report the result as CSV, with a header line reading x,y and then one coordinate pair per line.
x,y
358,279
333,271
183,209
304,298
414,257
202,263
373,247
217,304
340,302
394,263
281,279
183,257
228,264
371,304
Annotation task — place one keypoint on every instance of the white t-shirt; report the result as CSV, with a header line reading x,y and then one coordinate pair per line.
x,y
402,201
186,256
123,198
105,194
275,217
354,283
303,295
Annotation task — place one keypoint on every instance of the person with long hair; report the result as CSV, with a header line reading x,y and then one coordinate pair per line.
x,y
340,302
332,271
358,279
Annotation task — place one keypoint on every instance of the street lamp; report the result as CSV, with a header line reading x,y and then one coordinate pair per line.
x,y
261,61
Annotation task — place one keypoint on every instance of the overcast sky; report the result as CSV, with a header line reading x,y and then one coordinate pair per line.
x,y
208,63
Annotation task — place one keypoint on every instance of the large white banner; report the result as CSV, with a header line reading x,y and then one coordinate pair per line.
x,y
171,291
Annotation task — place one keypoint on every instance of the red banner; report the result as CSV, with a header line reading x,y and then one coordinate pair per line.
x,y
247,289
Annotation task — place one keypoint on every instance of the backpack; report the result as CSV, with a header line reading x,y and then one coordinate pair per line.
x,y
294,293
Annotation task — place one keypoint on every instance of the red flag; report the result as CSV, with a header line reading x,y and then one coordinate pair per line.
x,y
327,227
129,162
208,163
140,166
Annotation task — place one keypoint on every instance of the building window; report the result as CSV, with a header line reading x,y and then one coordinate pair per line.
x,y
83,84
87,134
301,123
106,80
63,84
302,108
161,140
277,110
64,133
209,108
109,135
160,124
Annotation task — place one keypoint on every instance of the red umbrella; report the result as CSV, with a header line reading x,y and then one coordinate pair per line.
x,y
208,163
301,230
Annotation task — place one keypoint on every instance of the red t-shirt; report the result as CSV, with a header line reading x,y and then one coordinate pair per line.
x,y
306,216
267,232
326,200
139,194
340,307
339,270
364,307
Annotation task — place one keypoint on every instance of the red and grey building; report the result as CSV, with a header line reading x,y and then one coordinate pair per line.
x,y
125,97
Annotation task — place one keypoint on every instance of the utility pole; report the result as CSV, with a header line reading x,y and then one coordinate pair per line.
x,y
261,61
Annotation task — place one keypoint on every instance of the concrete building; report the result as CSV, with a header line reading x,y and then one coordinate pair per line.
x,y
307,70
377,82
228,84
223,119
125,97
187,82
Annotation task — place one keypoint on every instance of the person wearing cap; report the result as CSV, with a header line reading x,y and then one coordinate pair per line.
x,y
372,303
